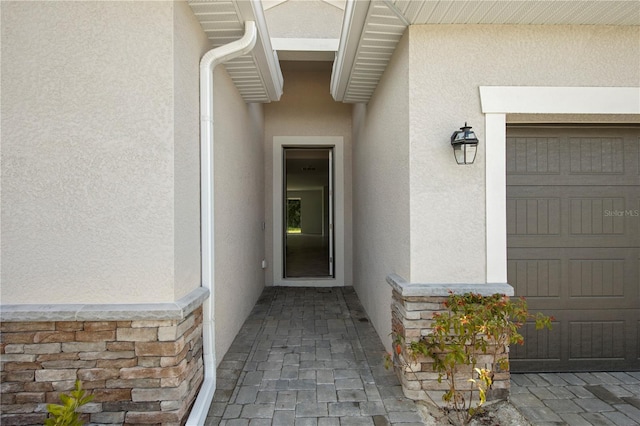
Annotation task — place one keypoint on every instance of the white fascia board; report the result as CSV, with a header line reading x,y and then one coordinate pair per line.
x,y
306,44
560,100
355,15
264,54
497,102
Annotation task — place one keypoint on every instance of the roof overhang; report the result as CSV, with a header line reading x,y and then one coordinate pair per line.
x,y
257,75
372,29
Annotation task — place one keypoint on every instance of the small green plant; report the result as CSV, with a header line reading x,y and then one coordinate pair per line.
x,y
470,326
66,414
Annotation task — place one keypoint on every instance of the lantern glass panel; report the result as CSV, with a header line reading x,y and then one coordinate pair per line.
x,y
465,153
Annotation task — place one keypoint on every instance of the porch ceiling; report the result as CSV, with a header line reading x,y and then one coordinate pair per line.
x,y
372,29
257,75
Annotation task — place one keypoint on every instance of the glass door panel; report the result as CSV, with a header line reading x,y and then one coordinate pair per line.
x,y
308,213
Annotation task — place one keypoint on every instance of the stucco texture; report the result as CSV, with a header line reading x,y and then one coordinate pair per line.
x,y
189,44
304,19
448,63
238,208
307,109
381,190
91,141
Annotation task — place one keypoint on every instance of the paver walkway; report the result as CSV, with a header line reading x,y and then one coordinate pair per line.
x,y
577,399
308,356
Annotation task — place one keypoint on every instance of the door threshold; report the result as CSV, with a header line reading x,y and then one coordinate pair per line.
x,y
308,282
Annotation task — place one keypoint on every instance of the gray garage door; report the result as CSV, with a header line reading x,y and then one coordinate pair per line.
x,y
573,219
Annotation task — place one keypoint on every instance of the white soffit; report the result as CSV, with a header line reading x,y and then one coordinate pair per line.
x,y
355,71
257,75
531,12
372,29
269,4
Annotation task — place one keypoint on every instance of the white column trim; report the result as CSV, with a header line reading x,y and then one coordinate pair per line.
x,y
559,100
496,197
497,101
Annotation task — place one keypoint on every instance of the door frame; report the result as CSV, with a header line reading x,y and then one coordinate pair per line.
x,y
337,143
496,103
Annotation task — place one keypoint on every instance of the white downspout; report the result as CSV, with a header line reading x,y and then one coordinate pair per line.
x,y
208,63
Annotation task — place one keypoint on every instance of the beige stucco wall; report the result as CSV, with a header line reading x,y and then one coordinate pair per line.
x,y
307,109
435,231
100,152
381,190
238,208
448,64
189,44
304,19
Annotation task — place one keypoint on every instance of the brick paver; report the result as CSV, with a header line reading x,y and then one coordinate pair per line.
x,y
308,356
578,399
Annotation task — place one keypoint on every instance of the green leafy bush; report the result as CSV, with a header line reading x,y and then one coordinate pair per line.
x,y
470,326
66,414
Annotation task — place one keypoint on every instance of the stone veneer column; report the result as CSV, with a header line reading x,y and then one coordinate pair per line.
x,y
412,309
146,369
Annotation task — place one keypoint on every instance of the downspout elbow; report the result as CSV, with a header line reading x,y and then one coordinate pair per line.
x,y
224,53
208,63
217,56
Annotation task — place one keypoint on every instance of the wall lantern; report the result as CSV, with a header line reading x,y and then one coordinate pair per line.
x,y
465,144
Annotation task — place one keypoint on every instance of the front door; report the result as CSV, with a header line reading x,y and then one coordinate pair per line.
x,y
308,235
308,212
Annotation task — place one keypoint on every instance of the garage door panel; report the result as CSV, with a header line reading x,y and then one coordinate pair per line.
x,y
573,237
603,156
595,215
539,344
597,339
575,180
533,156
596,278
535,277
579,278
603,339
533,215
578,365
567,192
575,344
579,222
573,241
573,212
576,156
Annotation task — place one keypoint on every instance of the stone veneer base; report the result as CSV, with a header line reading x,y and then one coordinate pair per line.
x,y
412,308
142,362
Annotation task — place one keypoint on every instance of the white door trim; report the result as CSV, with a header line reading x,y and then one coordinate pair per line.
x,y
497,102
337,142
